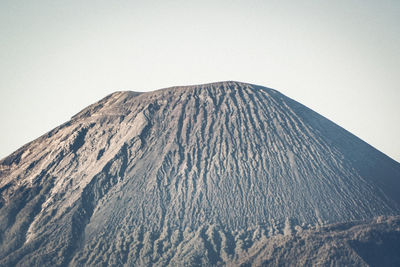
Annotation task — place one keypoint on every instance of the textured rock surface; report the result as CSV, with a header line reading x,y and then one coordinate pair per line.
x,y
210,174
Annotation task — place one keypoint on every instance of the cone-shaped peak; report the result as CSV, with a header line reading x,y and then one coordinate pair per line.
x,y
207,165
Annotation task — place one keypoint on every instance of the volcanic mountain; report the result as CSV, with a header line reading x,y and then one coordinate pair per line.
x,y
222,173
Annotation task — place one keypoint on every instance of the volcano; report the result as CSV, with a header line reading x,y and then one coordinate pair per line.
x,y
226,173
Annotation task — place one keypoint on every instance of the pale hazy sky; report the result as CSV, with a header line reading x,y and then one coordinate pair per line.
x,y
340,58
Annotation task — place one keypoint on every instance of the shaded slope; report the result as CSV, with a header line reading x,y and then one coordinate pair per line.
x,y
141,178
371,243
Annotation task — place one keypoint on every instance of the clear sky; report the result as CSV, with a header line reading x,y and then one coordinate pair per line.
x,y
340,58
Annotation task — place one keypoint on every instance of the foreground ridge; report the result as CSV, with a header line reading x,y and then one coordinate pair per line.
x,y
220,173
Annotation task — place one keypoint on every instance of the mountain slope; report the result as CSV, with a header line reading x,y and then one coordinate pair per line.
x,y
150,178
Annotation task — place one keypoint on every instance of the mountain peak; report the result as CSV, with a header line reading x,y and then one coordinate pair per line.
x,y
183,168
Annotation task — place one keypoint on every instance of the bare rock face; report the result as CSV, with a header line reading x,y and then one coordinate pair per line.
x,y
223,173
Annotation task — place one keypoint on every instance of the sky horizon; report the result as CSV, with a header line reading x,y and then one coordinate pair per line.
x,y
341,59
